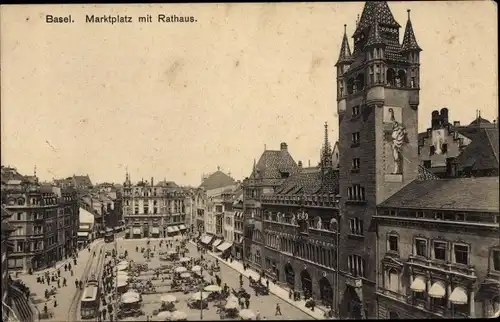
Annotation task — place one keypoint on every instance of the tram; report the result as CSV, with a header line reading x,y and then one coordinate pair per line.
x,y
109,235
89,305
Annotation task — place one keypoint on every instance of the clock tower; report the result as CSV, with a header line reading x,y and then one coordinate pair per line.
x,y
378,88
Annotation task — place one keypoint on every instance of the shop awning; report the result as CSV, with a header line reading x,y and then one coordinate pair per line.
x,y
437,290
418,284
206,239
458,296
182,227
83,234
155,230
175,229
170,230
136,231
224,246
216,242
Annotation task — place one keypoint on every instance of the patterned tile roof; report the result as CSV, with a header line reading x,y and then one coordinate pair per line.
x,y
481,153
273,163
376,11
82,180
374,36
424,174
345,51
465,194
409,40
310,181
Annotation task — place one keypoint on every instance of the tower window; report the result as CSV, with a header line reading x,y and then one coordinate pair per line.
x,y
432,150
350,86
355,138
355,110
372,76
356,193
391,77
356,226
427,164
377,74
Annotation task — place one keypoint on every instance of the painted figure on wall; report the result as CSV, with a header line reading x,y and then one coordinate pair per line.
x,y
437,141
399,138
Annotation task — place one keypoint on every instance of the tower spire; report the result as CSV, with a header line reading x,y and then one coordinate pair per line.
x,y
345,51
34,171
374,38
409,40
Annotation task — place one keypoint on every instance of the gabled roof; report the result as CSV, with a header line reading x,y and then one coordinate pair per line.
x,y
481,153
273,163
217,180
82,180
424,174
479,120
310,181
376,10
462,194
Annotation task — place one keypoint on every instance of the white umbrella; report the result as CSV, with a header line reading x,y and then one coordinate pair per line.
x,y
167,298
212,288
232,298
122,267
247,314
231,305
199,296
130,297
178,316
123,262
184,259
196,268
121,281
164,315
186,275
180,269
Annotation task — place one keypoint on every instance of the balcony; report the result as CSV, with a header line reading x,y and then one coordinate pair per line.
x,y
446,267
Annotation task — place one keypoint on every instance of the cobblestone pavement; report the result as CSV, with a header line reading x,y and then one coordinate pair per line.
x,y
265,304
64,295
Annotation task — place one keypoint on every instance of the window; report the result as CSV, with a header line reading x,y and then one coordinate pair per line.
x,y
393,243
356,193
461,254
421,247
355,138
356,265
444,148
355,164
355,110
19,216
377,73
372,77
356,226
393,281
420,214
432,150
440,250
427,164
496,259
439,216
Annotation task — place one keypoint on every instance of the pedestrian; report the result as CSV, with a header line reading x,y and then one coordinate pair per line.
x,y
58,283
55,302
76,283
257,316
267,284
278,309
45,308
65,267
64,281
69,266
247,302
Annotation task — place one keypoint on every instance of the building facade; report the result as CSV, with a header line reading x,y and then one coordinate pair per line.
x,y
439,251
7,229
300,225
153,209
272,169
377,102
238,229
45,221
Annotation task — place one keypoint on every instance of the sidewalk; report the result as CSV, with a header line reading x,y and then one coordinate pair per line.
x,y
64,296
280,292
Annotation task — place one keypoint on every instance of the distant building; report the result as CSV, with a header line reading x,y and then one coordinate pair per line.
x,y
447,144
7,229
302,252
45,219
268,174
153,209
80,183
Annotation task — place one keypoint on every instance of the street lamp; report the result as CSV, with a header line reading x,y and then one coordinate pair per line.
x,y
337,256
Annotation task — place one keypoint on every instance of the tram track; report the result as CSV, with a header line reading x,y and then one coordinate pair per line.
x,y
73,309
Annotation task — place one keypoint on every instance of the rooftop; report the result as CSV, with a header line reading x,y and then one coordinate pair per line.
x,y
460,194
310,181
217,180
274,163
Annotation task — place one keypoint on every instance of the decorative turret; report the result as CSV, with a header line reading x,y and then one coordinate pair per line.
x,y
326,152
409,41
343,63
374,40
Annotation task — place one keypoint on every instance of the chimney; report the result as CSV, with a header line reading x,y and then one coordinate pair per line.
x,y
284,146
309,163
444,115
300,164
434,119
152,181
456,123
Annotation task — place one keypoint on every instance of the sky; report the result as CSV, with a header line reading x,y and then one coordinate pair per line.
x,y
177,100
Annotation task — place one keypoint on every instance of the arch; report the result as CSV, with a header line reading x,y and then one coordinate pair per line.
x,y
393,315
306,281
290,275
351,306
391,77
360,81
325,291
350,86
401,78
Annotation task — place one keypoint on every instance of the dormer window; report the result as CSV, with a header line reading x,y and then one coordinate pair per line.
x,y
285,175
432,150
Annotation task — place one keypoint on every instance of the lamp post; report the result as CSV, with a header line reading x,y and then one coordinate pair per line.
x,y
337,256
